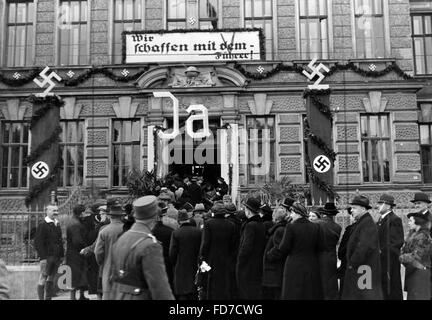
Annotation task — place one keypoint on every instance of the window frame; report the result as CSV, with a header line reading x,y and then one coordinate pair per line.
x,y
22,156
176,20
57,34
369,161
113,143
299,17
62,180
4,33
273,140
386,30
273,22
422,36
200,19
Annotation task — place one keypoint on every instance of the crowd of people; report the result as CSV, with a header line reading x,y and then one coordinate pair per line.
x,y
189,245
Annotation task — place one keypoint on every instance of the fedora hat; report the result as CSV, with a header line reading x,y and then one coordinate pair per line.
x,y
361,201
421,196
199,207
218,208
145,207
253,204
300,209
164,196
329,209
387,199
116,209
266,209
183,215
231,208
287,203
425,215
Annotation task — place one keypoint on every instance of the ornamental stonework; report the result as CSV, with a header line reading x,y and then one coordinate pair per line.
x,y
347,102
290,149
97,137
210,102
290,164
98,108
407,132
96,168
11,205
408,162
347,133
401,101
348,163
288,103
289,134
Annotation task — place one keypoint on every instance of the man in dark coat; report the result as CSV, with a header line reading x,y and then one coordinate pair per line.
x,y
195,192
76,241
300,247
217,250
138,264
273,270
231,215
250,254
328,260
363,274
183,252
391,239
49,246
342,253
163,235
266,216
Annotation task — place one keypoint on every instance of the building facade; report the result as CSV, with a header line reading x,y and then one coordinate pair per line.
x,y
381,113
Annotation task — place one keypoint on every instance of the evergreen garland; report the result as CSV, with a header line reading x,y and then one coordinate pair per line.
x,y
44,146
322,107
318,141
327,188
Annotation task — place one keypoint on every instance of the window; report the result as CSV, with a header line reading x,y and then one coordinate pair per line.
x,y
369,26
426,151
127,17
208,17
176,14
72,152
14,149
375,148
258,14
19,34
126,149
422,42
74,38
261,146
314,40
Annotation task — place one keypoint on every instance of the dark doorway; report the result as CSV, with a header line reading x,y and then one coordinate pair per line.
x,y
208,166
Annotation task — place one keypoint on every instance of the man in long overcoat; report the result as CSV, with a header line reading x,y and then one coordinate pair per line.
x,y
363,273
138,264
328,259
104,244
218,249
391,239
300,247
76,241
250,253
184,250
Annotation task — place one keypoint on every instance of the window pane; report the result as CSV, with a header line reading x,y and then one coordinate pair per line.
x,y
83,58
428,25
385,160
379,45
375,163
384,126
16,133
323,7
302,8
21,13
312,7
75,10
128,10
83,11
29,48
137,9
5,132
424,134
378,6
12,13
258,8
20,46
118,11
30,12
428,43
426,164
419,52
418,25
268,8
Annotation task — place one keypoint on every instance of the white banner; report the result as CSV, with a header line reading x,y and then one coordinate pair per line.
x,y
192,46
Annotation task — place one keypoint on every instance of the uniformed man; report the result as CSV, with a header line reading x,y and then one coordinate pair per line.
x,y
138,264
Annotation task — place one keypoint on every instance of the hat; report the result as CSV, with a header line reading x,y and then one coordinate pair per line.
x,y
218,208
287,203
421,196
145,207
361,201
387,199
425,215
199,207
300,209
116,209
182,215
188,207
231,208
329,209
164,196
266,209
253,204
78,209
172,212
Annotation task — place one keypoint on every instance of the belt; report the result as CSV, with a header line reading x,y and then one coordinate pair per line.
x,y
133,290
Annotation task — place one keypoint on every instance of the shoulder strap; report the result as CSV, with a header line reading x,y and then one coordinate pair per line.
x,y
146,236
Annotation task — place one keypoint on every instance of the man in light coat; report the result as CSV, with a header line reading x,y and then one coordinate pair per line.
x,y
104,246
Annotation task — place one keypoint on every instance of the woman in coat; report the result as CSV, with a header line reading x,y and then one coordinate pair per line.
x,y
416,257
327,258
273,270
300,246
76,241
